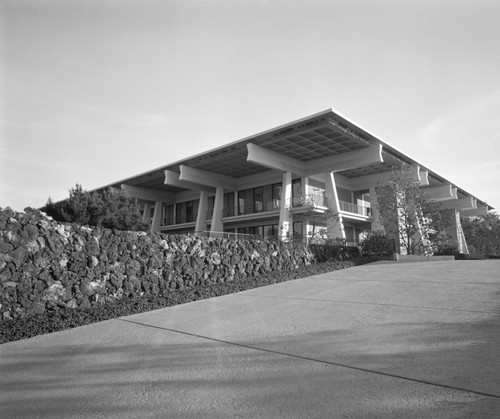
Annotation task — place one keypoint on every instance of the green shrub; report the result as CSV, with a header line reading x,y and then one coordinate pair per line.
x,y
110,208
376,243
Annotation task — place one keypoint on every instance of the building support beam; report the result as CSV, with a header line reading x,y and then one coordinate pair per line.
x,y
334,223
204,177
273,160
285,222
468,203
345,161
422,177
370,181
336,163
148,194
443,193
480,211
172,179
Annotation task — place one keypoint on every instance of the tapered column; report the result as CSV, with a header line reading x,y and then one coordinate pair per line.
x,y
155,225
201,224
454,230
334,223
146,213
285,226
217,225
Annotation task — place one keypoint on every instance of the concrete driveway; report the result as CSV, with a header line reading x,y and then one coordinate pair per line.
x,y
385,340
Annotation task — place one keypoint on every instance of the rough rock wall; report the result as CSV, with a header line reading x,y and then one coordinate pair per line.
x,y
45,264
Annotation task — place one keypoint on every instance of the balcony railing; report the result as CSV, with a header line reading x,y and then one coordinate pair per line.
x,y
355,209
182,219
226,235
310,200
253,208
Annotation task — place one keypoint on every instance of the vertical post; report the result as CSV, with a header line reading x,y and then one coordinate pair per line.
x,y
217,225
285,223
334,224
146,214
201,224
156,223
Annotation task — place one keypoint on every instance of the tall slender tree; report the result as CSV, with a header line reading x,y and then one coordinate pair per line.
x,y
407,212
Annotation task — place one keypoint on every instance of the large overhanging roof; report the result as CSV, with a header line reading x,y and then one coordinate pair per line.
x,y
321,135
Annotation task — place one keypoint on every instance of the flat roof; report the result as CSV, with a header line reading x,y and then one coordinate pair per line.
x,y
320,135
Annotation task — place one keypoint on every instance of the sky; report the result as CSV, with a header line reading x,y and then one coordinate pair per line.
x,y
96,91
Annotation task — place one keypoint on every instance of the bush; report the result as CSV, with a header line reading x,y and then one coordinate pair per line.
x,y
333,252
376,243
110,208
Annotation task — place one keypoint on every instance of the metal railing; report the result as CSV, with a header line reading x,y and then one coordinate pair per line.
x,y
355,209
226,235
252,208
179,219
310,200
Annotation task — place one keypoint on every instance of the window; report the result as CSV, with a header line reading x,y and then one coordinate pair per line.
x,y
258,200
210,207
186,212
297,197
229,209
168,215
276,196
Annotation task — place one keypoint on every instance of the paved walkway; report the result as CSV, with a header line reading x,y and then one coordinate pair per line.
x,y
387,340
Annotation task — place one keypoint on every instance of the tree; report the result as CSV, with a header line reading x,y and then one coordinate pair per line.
x,y
482,235
407,212
316,219
109,208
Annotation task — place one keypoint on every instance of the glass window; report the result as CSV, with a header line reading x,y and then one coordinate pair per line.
x,y
229,204
180,210
258,200
241,204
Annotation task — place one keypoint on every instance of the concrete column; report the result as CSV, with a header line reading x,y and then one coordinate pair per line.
x,y
334,224
156,223
146,214
201,224
376,219
217,225
285,223
454,230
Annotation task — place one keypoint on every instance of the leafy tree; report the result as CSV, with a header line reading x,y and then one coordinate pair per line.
x,y
317,220
482,235
109,208
407,212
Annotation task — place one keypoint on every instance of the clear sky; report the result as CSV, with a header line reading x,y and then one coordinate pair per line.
x,y
95,91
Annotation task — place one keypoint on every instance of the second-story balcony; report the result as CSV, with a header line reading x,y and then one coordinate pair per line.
x,y
247,209
363,210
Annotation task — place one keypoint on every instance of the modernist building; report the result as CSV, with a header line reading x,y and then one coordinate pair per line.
x,y
283,181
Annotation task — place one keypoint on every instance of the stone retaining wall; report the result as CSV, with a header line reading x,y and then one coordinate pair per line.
x,y
45,264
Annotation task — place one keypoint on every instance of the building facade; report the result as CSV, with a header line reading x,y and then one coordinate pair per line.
x,y
312,178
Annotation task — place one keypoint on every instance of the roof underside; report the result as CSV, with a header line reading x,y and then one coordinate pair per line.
x,y
319,136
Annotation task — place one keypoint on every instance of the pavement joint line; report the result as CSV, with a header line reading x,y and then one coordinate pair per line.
x,y
374,304
404,282
306,358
